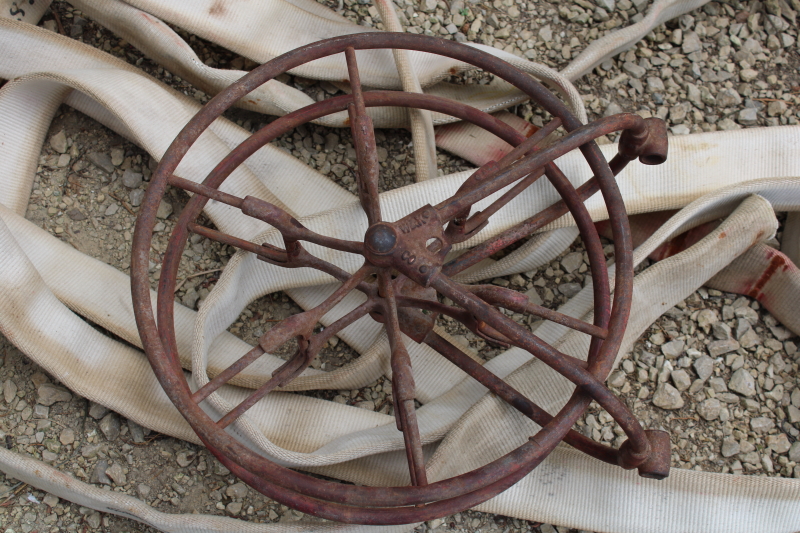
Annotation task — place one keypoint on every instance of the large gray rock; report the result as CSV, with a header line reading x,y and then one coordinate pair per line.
x,y
706,317
742,382
730,447
673,349
616,379
136,197
655,85
117,475
709,409
137,432
778,443
608,5
110,426
747,116
667,397
762,424
164,210
58,142
97,411
533,296
99,476
236,491
101,161
691,43
638,72
704,366
717,348
131,179
681,379
572,261
48,394
728,98
794,452
721,331
9,391
569,289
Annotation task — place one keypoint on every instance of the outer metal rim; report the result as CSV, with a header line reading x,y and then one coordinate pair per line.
x,y
284,484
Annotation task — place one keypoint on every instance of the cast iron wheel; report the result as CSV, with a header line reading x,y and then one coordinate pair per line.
x,y
404,268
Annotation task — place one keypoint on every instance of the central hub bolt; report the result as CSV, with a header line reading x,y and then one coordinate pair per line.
x,y
380,239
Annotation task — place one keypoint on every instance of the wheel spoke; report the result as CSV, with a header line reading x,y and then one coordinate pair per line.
x,y
414,456
277,256
291,368
287,225
517,232
479,219
530,144
299,325
297,364
292,229
503,177
519,303
223,377
364,141
513,397
529,226
461,228
268,252
204,190
403,386
561,363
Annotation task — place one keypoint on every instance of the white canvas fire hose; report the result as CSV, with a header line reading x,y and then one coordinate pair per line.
x,y
48,286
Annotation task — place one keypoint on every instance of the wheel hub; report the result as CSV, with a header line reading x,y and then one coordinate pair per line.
x,y
413,246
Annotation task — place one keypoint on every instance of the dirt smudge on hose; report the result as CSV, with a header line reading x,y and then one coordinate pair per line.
x,y
218,9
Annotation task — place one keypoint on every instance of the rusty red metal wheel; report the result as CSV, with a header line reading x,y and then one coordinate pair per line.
x,y
404,268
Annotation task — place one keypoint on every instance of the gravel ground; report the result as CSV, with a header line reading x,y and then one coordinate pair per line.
x,y
716,371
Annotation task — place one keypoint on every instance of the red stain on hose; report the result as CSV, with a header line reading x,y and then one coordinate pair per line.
x,y
776,263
